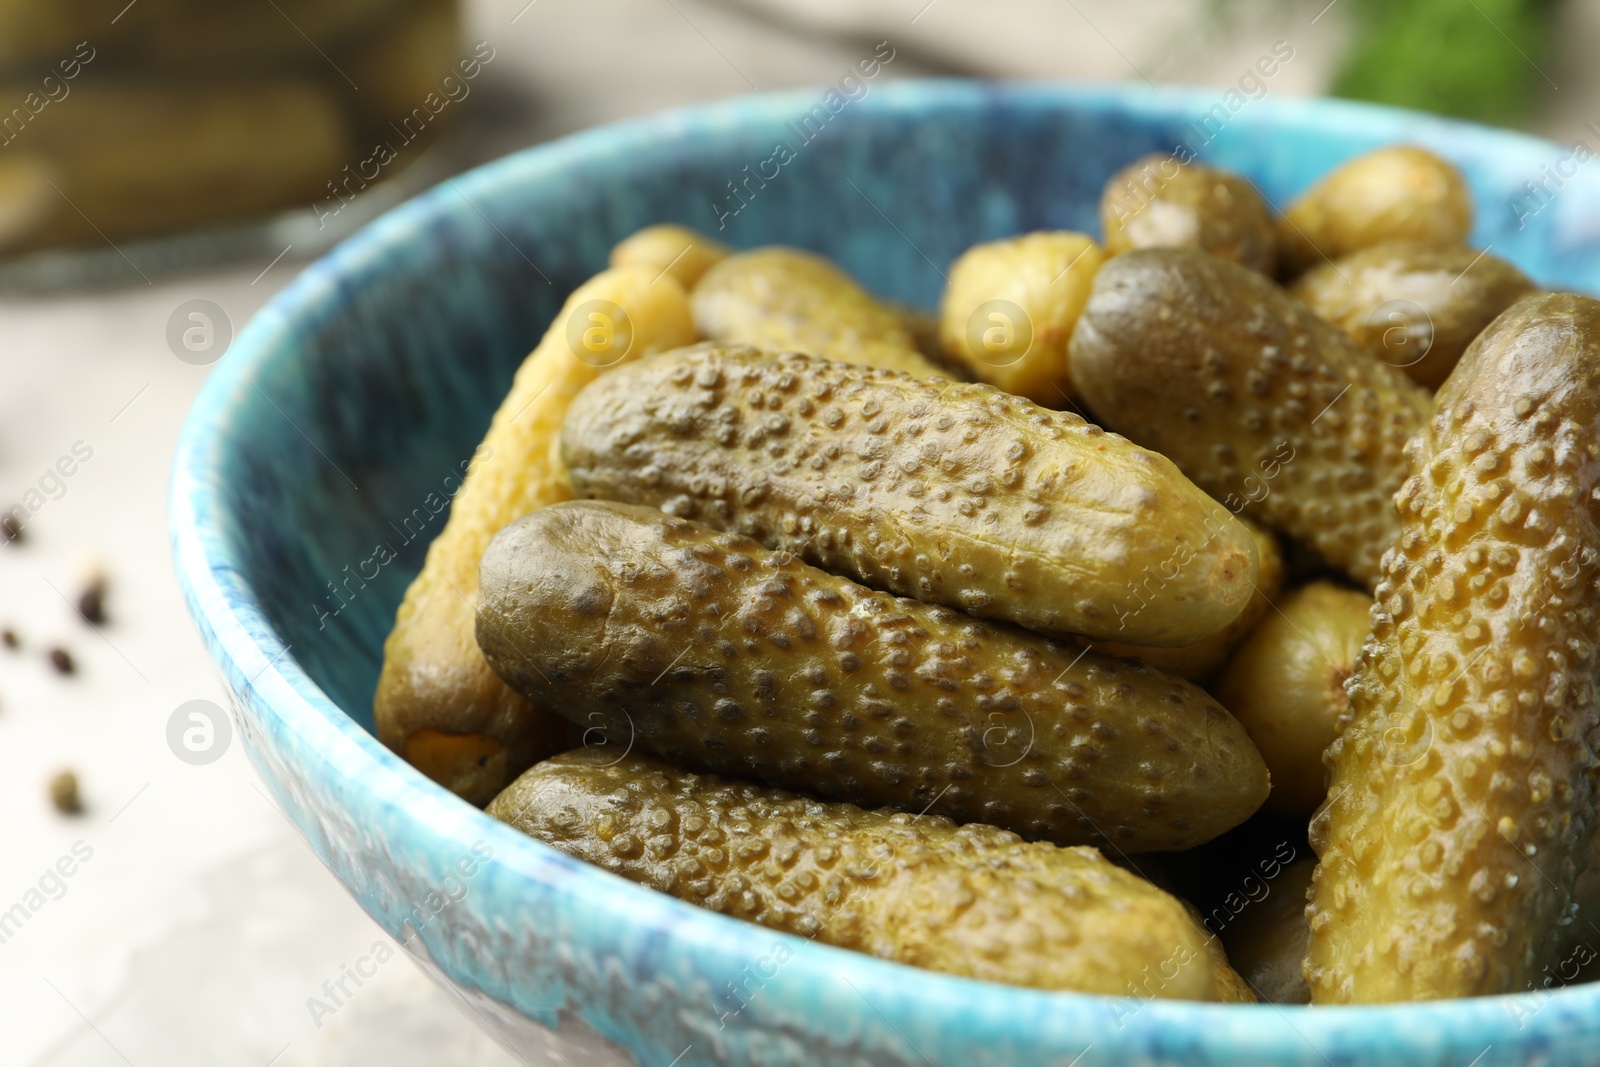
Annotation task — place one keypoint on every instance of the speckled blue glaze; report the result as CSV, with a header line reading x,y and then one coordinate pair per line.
x,y
362,387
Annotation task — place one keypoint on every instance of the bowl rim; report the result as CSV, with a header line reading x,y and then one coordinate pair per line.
x,y
258,664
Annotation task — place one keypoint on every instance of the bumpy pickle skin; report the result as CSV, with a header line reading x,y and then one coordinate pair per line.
x,y
1200,661
1286,686
1009,308
1415,306
1156,202
717,654
957,494
1268,408
1461,800
1399,193
438,704
788,300
916,889
672,249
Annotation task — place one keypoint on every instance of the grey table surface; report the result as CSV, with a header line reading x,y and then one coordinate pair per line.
x,y
197,925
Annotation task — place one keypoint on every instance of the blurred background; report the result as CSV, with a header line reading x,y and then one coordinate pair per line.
x,y
165,167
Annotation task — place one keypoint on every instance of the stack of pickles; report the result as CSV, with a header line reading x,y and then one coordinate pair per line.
x,y
754,597
121,120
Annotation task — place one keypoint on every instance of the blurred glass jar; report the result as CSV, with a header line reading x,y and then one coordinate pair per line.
x,y
125,120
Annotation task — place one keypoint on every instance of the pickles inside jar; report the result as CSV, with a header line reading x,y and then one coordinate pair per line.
x,y
717,654
953,493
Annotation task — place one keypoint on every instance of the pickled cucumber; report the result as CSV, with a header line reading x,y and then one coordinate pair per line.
x,y
1399,193
684,253
437,703
1286,686
717,654
1266,406
1461,803
785,299
956,494
1415,306
1009,308
917,889
1156,202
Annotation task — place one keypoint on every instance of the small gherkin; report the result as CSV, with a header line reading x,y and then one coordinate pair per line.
x,y
1271,410
1395,193
1414,306
916,889
786,299
437,703
706,649
954,493
1461,806
1158,202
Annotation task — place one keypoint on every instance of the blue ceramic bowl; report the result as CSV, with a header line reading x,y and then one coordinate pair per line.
x,y
348,404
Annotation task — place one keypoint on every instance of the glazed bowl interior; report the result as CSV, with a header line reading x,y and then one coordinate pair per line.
x,y
322,455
